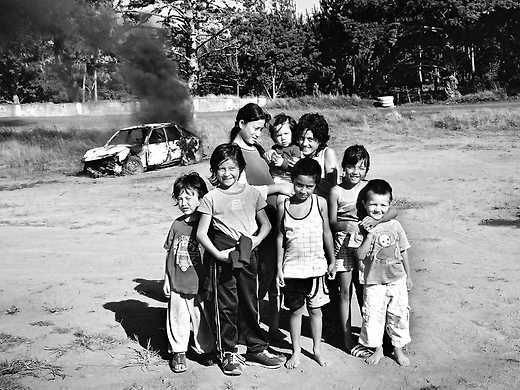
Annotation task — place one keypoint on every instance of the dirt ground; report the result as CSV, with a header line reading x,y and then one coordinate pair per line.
x,y
82,263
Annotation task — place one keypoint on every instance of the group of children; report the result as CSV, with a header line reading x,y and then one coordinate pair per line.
x,y
332,232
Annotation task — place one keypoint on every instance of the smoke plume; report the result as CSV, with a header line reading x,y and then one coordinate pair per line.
x,y
93,27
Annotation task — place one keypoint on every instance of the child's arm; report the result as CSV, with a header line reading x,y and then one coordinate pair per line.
x,y
166,284
365,246
368,223
331,167
279,244
406,265
328,244
264,227
202,236
280,188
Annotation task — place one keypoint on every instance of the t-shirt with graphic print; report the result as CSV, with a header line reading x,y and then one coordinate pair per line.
x,y
184,260
384,262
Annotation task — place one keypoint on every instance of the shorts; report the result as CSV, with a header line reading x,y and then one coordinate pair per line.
x,y
345,256
311,291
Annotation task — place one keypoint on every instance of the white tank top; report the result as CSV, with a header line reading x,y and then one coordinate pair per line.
x,y
304,256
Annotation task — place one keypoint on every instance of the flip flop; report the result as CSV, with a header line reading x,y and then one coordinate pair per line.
x,y
361,351
178,362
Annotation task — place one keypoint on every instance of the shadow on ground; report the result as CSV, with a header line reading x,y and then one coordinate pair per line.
x,y
142,323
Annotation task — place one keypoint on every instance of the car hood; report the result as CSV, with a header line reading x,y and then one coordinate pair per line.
x,y
107,151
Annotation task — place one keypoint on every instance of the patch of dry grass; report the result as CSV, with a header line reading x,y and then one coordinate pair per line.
x,y
143,358
8,341
53,309
30,367
94,342
41,323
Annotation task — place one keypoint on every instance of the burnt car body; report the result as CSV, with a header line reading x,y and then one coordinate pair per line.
x,y
139,148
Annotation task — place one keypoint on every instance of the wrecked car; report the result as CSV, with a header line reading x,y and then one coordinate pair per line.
x,y
139,148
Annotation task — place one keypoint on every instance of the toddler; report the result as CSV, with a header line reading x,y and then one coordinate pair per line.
x,y
387,278
305,255
183,275
284,153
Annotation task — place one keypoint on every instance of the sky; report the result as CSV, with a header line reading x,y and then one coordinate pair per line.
x,y
303,5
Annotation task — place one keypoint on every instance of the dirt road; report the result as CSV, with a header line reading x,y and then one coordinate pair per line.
x,y
82,261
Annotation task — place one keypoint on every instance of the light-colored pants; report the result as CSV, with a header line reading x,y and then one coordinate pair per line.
x,y
385,303
184,315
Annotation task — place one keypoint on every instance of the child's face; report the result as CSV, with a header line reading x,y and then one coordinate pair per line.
x,y
227,173
308,144
188,201
283,135
376,205
303,186
251,131
355,173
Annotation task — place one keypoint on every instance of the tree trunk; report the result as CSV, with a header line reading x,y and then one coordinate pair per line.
x,y
95,86
84,83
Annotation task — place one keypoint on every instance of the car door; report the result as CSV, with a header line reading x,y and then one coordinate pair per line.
x,y
174,136
157,148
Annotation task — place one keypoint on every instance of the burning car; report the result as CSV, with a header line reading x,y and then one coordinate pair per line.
x,y
136,149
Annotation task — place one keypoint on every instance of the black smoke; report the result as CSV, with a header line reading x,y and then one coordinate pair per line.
x,y
95,27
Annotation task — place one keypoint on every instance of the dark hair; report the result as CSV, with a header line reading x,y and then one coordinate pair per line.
x,y
191,181
279,121
224,152
307,167
318,125
377,186
354,154
249,113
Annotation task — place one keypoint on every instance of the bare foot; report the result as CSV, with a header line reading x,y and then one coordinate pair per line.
x,y
400,357
294,361
375,357
322,362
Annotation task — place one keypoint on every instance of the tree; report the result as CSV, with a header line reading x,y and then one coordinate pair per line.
x,y
193,27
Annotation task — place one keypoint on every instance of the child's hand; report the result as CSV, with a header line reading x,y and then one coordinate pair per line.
x,y
166,287
291,161
286,189
368,223
409,283
277,160
268,155
331,271
280,279
224,255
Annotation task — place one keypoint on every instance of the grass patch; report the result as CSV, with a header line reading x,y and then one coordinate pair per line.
x,y
30,367
12,310
8,341
60,330
41,323
56,309
319,102
94,342
143,358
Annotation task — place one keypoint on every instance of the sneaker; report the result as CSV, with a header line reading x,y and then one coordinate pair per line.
x,y
231,364
264,359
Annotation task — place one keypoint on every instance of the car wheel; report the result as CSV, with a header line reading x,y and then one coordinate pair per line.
x,y
132,166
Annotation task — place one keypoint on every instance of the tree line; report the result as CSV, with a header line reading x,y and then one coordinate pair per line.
x,y
76,50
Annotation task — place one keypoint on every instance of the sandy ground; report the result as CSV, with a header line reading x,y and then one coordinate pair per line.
x,y
82,261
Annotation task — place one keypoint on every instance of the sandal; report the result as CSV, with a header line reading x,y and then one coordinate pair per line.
x,y
178,362
361,351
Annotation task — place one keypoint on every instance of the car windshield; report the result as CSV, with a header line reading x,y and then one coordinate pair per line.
x,y
129,137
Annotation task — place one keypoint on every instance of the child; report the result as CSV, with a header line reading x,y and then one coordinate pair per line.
x,y
233,223
283,153
183,271
387,278
344,221
305,255
313,135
